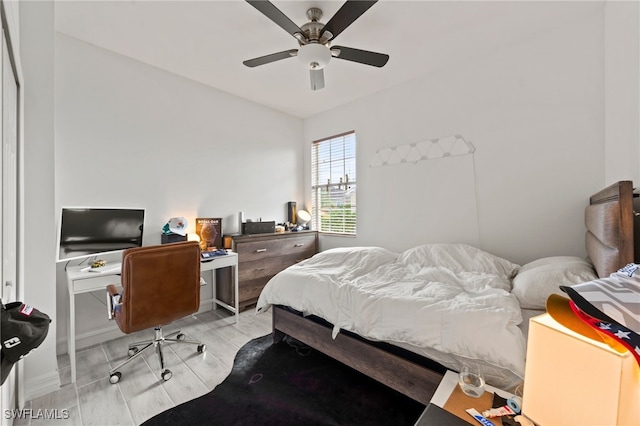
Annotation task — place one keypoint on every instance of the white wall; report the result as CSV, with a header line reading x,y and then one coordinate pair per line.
x,y
36,40
128,134
622,91
534,111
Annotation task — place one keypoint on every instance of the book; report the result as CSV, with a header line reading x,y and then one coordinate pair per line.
x,y
210,232
434,415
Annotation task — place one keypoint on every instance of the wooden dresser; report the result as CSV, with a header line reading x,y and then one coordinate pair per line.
x,y
260,257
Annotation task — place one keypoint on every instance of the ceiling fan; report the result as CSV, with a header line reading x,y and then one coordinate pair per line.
x,y
314,39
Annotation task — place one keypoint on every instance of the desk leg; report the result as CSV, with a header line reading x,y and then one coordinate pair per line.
x,y
214,284
71,336
237,291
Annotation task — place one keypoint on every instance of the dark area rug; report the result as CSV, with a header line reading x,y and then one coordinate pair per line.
x,y
288,383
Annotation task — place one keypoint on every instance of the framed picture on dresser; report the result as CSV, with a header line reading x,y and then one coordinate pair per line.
x,y
210,232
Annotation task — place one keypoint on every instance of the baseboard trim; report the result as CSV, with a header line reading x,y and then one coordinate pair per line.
x,y
41,385
109,332
90,338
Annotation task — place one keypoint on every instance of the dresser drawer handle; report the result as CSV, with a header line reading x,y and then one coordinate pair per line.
x,y
261,250
299,245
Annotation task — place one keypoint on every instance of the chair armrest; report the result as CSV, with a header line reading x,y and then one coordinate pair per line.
x,y
113,301
111,289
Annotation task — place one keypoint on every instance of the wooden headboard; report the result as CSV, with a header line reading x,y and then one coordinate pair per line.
x,y
609,219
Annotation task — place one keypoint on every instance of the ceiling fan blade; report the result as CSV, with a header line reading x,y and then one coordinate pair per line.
x,y
362,56
270,58
270,11
317,79
345,16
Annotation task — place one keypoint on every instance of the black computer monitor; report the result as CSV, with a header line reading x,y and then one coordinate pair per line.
x,y
90,231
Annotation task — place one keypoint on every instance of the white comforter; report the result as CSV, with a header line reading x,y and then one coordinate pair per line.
x,y
450,297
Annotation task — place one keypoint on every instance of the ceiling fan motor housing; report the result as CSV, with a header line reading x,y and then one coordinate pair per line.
x,y
312,31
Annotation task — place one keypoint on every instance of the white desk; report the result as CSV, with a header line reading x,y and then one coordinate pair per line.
x,y
84,282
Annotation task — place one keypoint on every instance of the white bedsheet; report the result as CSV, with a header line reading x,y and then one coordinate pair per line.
x,y
450,299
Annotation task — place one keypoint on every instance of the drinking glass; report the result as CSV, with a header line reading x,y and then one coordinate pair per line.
x,y
471,381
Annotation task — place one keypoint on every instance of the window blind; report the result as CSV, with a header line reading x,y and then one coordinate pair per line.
x,y
333,168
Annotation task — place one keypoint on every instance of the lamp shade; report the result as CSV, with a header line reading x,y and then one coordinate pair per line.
x,y
314,56
571,379
303,217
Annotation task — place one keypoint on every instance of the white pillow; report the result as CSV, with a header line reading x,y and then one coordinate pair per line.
x,y
537,280
458,258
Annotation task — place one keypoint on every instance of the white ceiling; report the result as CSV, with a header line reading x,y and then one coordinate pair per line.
x,y
207,40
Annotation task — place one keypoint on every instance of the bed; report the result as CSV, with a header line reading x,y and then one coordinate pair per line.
x,y
410,353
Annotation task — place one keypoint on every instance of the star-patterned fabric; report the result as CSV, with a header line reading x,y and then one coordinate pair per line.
x,y
611,306
628,338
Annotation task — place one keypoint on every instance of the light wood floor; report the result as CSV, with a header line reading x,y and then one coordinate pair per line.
x,y
141,393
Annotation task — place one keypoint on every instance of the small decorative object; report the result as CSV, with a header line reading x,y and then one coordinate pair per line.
x,y
430,149
99,263
291,212
210,232
176,225
240,221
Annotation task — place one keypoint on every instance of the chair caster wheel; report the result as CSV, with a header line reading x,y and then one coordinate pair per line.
x,y
166,375
202,348
115,377
180,336
132,351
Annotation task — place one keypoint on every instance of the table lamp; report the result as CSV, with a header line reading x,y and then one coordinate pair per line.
x,y
571,379
303,217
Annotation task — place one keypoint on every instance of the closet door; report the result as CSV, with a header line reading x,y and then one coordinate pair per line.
x,y
9,178
9,210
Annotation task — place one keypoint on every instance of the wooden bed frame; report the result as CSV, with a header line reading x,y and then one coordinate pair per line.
x,y
610,245
611,238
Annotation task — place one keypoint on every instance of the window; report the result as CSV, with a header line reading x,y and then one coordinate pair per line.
x,y
333,180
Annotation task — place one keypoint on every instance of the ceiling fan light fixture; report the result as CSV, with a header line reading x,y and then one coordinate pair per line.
x,y
314,56
314,39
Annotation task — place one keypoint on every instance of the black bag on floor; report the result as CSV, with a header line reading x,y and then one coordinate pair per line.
x,y
24,328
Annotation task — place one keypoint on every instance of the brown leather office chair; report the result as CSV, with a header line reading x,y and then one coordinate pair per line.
x,y
160,284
